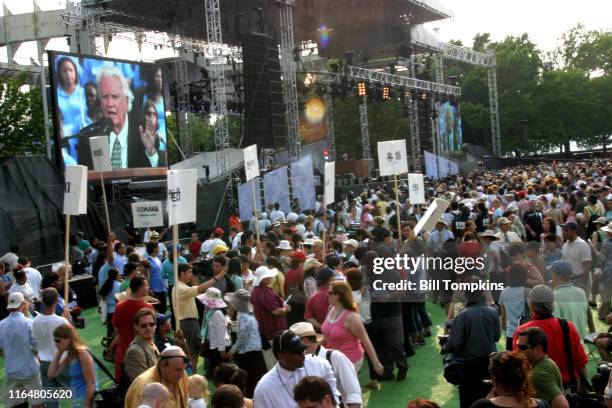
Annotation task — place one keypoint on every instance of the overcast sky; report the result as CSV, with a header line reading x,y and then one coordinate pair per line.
x,y
543,20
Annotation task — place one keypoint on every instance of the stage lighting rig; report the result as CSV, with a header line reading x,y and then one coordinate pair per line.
x,y
386,93
362,89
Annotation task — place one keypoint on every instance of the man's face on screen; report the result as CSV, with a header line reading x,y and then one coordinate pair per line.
x,y
113,101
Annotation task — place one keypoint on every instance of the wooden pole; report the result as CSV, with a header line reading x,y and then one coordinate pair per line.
x,y
255,212
397,214
324,229
67,257
174,294
108,224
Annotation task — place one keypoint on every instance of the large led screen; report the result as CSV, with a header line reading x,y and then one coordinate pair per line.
x,y
449,124
94,96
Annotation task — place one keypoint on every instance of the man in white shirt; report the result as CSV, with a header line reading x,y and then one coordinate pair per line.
x,y
34,276
577,252
275,389
21,285
505,236
344,370
42,330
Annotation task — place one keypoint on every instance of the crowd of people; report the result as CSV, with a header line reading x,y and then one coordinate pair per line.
x,y
293,316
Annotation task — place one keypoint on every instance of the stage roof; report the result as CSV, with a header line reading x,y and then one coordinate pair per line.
x,y
357,25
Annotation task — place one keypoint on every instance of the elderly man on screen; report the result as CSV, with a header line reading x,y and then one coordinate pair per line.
x,y
131,144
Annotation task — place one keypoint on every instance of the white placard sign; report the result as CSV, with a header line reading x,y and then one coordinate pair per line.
x,y
75,190
392,158
148,214
100,153
416,188
251,163
330,183
182,185
432,215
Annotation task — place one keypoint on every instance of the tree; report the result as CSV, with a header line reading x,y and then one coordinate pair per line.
x,y
22,129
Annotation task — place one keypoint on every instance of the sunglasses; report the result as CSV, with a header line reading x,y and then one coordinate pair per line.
x,y
524,347
145,325
57,339
331,293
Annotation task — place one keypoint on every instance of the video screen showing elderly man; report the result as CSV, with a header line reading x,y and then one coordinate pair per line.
x,y
132,143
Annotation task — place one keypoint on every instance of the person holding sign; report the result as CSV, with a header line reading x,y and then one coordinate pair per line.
x,y
187,309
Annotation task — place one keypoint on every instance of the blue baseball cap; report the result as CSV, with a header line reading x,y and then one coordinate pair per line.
x,y
562,268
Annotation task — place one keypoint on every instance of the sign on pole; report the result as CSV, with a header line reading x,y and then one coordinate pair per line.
x,y
330,183
392,158
75,190
182,192
148,214
100,153
432,216
416,188
251,163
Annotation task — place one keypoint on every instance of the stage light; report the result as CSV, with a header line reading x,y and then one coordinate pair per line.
x,y
408,93
362,89
386,93
424,96
326,154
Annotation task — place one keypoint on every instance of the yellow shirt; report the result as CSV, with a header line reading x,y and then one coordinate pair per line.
x,y
178,394
187,306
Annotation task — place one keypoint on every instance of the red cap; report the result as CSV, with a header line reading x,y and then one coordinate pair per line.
x,y
299,256
522,194
218,232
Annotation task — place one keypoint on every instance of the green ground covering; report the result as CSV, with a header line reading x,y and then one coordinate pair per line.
x,y
424,376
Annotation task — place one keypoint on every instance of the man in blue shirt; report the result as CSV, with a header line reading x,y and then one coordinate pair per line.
x,y
17,344
158,286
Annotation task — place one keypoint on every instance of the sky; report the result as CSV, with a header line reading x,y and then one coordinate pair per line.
x,y
543,20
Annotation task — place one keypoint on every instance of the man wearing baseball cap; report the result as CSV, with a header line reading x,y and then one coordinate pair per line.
x,y
343,368
542,305
577,252
275,389
570,301
20,351
349,247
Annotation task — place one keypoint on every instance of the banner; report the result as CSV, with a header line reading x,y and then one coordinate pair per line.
x,y
431,164
302,183
148,214
100,154
392,158
443,167
251,165
276,189
245,199
182,191
454,168
330,183
416,188
75,190
433,214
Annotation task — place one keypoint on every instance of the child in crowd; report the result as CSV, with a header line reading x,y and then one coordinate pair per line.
x,y
198,391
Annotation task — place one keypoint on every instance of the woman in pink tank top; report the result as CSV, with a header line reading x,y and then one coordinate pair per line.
x,y
344,330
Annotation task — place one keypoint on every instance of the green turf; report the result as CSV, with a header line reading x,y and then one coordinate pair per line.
x,y
424,376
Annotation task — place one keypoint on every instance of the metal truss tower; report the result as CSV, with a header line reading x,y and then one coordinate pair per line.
x,y
435,135
493,101
218,106
182,101
440,68
413,109
289,67
329,122
365,133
